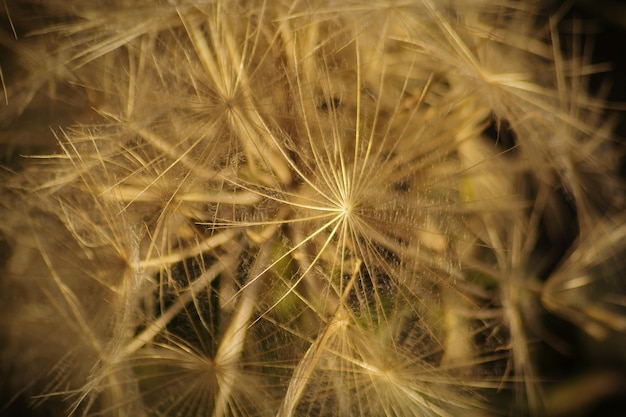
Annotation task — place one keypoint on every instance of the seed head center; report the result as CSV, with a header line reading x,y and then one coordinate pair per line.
x,y
346,208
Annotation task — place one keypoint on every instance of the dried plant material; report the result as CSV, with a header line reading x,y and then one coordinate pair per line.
x,y
301,208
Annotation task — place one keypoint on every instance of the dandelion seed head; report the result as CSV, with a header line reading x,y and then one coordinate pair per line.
x,y
303,208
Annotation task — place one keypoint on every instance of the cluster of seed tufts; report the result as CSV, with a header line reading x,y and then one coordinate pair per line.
x,y
301,208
